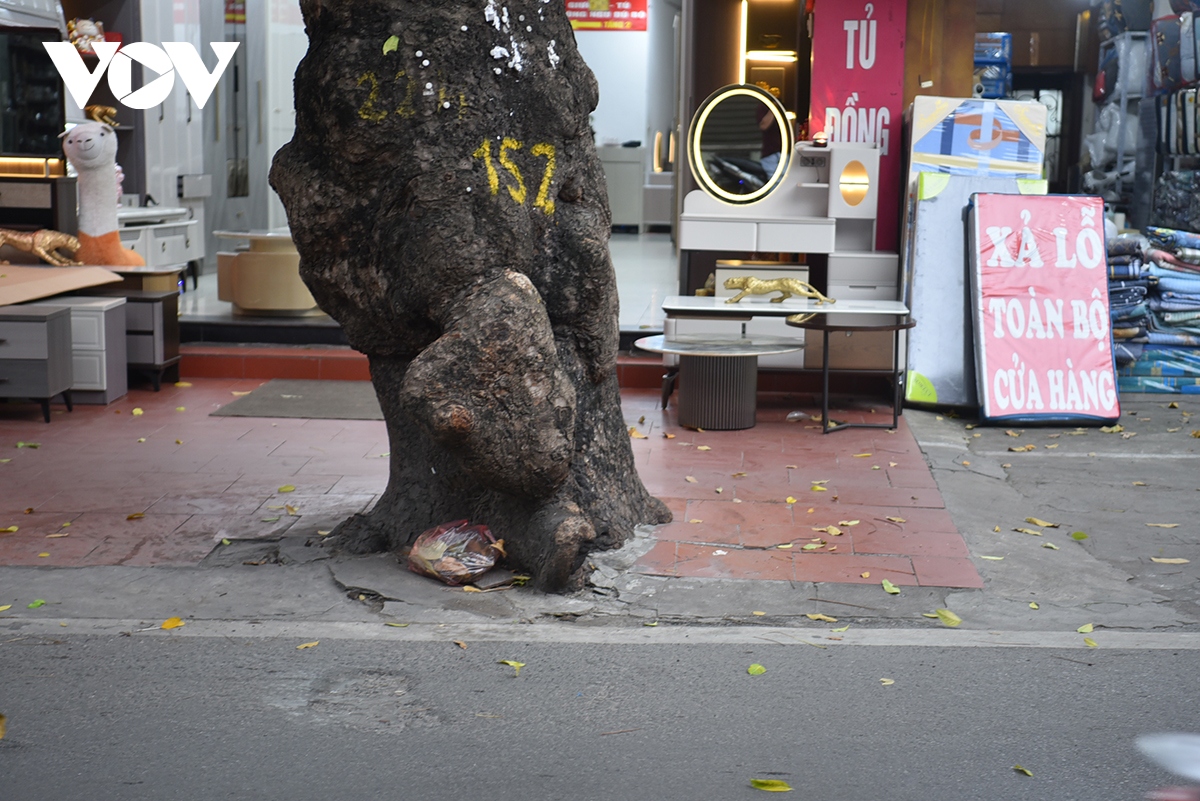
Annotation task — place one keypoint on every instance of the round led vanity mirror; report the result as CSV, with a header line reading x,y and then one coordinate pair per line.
x,y
740,144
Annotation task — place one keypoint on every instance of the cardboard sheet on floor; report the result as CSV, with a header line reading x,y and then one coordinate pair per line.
x,y
1039,287
941,352
21,283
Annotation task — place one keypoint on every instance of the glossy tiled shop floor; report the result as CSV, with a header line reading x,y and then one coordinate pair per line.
x,y
106,486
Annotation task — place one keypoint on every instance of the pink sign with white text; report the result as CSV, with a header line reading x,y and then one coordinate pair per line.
x,y
858,90
1039,280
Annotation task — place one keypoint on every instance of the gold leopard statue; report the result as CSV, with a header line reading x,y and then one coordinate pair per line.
x,y
44,244
788,286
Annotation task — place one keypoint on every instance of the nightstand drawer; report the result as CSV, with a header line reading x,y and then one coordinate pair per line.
x,y
88,369
143,349
143,317
25,378
20,340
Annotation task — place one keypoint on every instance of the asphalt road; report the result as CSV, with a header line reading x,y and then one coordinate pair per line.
x,y
154,716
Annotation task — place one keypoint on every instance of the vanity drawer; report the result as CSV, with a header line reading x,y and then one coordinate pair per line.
x,y
865,268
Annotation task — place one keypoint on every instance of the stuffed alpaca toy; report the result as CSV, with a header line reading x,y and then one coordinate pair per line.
x,y
92,150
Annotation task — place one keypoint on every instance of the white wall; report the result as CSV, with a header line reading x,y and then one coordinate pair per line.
x,y
619,60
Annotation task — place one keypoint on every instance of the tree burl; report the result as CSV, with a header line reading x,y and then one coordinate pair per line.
x,y
443,190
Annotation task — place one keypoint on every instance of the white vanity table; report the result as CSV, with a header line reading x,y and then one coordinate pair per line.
x,y
820,199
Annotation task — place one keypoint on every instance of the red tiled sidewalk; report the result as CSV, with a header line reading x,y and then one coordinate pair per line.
x,y
194,479
198,479
730,491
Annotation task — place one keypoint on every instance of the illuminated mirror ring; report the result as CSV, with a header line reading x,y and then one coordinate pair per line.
x,y
726,142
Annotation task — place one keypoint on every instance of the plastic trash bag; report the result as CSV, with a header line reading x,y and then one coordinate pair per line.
x,y
456,552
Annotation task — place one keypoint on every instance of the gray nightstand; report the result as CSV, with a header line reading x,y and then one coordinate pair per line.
x,y
35,354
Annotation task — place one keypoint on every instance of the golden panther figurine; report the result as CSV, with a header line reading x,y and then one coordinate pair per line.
x,y
43,244
104,114
788,286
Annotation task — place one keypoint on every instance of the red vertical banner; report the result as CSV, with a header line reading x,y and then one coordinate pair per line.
x,y
858,90
1043,348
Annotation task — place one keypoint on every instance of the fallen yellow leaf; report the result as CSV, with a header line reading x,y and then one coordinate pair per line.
x,y
695,520
1023,771
135,516
181,408
897,519
691,479
758,614
461,644
1089,642
1162,525
1029,531
1169,560
1033,605
58,536
515,665
819,616
312,644
668,436
1086,628
848,523
1024,449
861,455
812,546
785,546
5,608
10,530
791,467
183,383
996,529
137,412
1038,522
865,575
887,682
287,488
172,623
771,785
890,588
1012,433
831,530
1139,483
993,558
947,617
397,625
3,726
756,669
1050,545
818,488
178,442
141,439
840,630
703,448
1116,429
237,394
633,432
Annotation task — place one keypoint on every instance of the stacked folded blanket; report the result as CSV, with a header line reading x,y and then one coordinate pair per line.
x,y
1154,298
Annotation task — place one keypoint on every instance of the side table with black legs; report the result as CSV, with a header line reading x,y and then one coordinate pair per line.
x,y
819,322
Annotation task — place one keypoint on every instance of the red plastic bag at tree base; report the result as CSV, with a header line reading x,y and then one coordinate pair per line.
x,y
456,552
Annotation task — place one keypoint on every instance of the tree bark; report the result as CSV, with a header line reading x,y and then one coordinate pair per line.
x,y
445,196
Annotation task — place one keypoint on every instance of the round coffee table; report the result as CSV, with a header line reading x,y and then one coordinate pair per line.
x,y
718,376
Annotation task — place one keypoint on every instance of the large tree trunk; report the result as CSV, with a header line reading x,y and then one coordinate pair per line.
x,y
444,193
